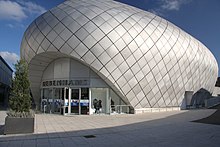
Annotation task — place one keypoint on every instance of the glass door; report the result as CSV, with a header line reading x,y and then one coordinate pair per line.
x,y
74,99
57,100
84,101
66,101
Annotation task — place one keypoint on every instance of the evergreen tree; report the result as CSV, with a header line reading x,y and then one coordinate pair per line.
x,y
20,99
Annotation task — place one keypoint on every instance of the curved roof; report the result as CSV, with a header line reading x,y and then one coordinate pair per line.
x,y
147,60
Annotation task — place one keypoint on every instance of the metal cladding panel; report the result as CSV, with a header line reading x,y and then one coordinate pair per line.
x,y
147,60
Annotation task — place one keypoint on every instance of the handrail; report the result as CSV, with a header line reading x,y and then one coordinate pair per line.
x,y
119,109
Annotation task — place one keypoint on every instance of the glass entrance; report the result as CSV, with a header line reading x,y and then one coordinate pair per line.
x,y
65,100
52,100
77,101
74,99
84,101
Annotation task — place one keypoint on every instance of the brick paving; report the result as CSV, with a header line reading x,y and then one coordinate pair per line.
x,y
151,129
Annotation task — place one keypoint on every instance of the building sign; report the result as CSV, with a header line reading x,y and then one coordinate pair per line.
x,y
65,83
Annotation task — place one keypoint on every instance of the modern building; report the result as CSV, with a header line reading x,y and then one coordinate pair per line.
x,y
84,50
5,82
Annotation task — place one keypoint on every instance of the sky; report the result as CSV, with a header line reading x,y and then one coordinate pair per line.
x,y
200,18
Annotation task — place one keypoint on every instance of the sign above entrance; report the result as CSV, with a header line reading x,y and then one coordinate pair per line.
x,y
65,83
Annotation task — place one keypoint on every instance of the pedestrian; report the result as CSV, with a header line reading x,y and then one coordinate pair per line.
x,y
95,104
99,106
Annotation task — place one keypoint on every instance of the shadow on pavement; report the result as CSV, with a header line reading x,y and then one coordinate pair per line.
x,y
212,119
2,129
175,130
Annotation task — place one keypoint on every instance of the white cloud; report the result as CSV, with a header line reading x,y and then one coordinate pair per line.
x,y
168,5
19,10
172,4
31,7
10,58
11,11
16,25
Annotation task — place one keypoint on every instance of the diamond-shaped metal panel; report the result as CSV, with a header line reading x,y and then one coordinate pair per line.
x,y
151,61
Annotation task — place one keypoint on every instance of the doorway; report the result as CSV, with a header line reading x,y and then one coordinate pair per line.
x,y
76,101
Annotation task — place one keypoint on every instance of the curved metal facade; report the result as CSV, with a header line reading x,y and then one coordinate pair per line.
x,y
147,60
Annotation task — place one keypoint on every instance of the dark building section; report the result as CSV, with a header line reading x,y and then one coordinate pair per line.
x,y
5,82
217,82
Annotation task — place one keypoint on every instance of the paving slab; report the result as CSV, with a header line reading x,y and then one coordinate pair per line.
x,y
151,129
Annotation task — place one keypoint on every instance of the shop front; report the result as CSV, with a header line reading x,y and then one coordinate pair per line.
x,y
71,88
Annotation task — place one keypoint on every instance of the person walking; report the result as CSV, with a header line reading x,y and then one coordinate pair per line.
x,y
95,104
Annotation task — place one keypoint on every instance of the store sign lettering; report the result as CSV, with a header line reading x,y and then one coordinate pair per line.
x,y
65,83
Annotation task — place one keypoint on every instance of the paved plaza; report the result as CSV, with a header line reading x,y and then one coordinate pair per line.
x,y
172,129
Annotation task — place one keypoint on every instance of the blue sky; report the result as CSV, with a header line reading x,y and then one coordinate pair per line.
x,y
200,18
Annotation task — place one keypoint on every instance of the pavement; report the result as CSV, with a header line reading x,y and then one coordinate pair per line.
x,y
159,129
212,119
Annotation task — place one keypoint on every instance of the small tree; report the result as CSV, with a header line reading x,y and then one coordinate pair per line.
x,y
20,99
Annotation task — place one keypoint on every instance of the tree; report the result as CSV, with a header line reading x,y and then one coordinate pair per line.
x,y
20,99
